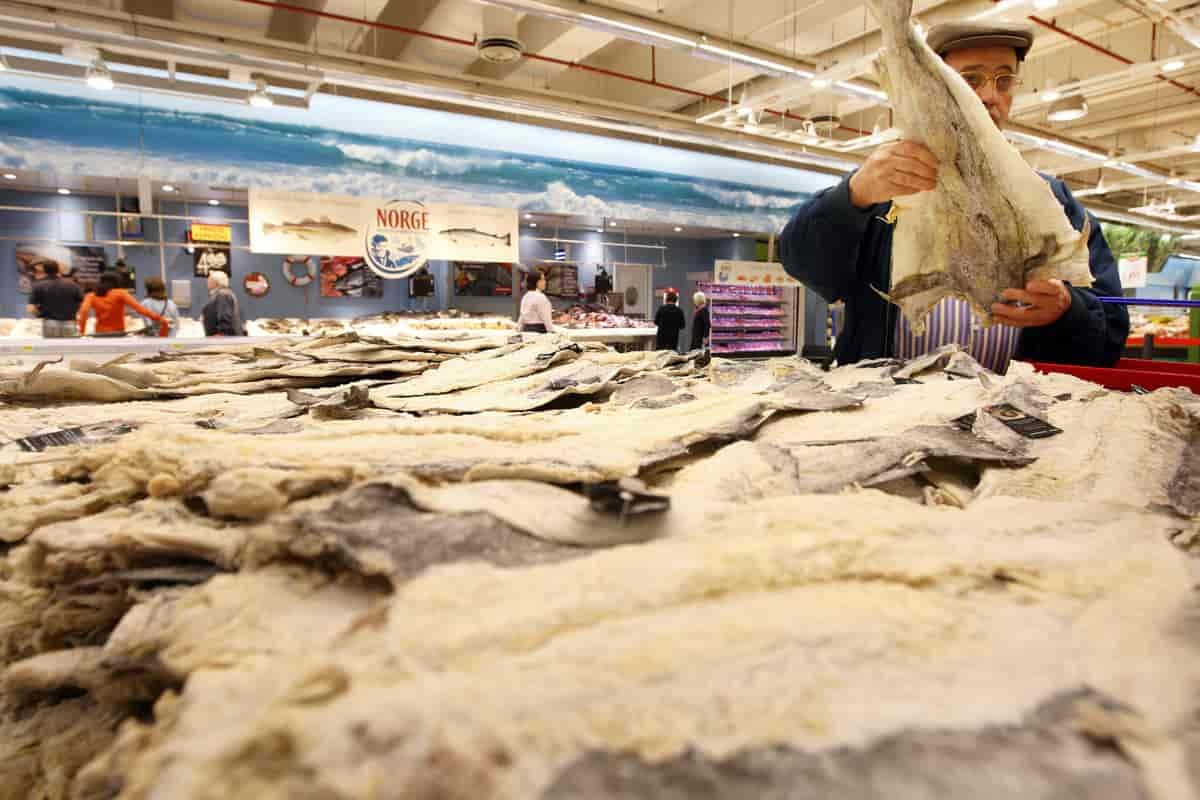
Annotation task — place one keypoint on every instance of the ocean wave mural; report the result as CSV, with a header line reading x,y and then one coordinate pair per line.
x,y
346,146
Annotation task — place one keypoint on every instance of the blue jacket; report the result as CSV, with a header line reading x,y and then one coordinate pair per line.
x,y
840,252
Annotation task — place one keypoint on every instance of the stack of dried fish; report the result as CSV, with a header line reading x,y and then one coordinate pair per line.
x,y
570,573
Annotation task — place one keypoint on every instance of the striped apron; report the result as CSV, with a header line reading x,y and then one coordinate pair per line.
x,y
951,321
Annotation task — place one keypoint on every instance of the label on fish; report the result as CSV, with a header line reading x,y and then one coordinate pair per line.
x,y
95,433
1014,418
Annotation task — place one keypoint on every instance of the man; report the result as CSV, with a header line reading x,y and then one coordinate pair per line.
x,y
839,245
670,322
421,290
222,314
56,300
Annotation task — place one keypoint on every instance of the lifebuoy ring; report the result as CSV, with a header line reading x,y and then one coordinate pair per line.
x,y
299,280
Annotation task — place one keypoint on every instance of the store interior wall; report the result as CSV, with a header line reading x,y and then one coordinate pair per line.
x,y
284,300
683,256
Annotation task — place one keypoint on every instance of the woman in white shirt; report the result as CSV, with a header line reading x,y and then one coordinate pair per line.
x,y
536,313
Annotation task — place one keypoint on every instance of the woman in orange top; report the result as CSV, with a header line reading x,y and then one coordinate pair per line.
x,y
109,303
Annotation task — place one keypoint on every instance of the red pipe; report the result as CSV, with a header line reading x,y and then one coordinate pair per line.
x,y
653,81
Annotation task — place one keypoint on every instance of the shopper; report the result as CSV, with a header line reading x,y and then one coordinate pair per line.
x,y
536,312
421,291
839,243
700,322
109,302
670,322
603,282
222,313
56,301
157,301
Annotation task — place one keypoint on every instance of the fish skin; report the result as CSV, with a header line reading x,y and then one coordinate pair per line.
x,y
992,223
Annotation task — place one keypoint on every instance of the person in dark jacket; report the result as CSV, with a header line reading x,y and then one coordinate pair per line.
x,y
222,314
840,246
56,300
700,321
670,322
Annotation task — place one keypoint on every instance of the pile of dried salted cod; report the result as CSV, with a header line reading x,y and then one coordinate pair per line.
x,y
736,579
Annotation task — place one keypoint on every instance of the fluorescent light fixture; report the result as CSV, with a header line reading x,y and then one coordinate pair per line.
x,y
8,176
528,216
678,229
533,224
214,202
820,83
98,76
1173,181
1173,65
1191,236
168,188
599,230
625,26
736,235
1044,5
1112,162
64,191
863,91
612,224
748,59
1050,95
259,97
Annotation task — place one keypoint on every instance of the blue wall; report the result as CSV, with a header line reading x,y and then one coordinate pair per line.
x,y
284,300
681,257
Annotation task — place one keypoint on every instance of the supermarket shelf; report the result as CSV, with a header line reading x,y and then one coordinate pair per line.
x,y
754,353
746,339
746,327
774,301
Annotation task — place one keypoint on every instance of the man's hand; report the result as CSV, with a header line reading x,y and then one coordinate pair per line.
x,y
1045,302
894,170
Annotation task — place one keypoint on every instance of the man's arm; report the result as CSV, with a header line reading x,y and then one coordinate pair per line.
x,y
1089,332
819,247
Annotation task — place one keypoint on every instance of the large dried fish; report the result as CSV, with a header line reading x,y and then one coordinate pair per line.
x,y
992,223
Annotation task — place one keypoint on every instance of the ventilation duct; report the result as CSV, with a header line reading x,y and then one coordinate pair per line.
x,y
498,43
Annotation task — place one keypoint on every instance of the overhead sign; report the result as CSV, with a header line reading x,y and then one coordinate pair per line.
x,y
395,237
208,232
398,238
753,273
1133,272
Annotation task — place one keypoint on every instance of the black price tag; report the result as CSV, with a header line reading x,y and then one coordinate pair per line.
x,y
1015,418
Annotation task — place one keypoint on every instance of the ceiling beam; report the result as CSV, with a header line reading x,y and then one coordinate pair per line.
x,y
291,26
163,9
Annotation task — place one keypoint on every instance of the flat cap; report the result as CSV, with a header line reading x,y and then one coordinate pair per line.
x,y
958,35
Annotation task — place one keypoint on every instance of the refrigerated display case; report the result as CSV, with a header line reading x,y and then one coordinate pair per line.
x,y
753,320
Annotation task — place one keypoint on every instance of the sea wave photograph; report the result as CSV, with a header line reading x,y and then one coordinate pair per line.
x,y
67,131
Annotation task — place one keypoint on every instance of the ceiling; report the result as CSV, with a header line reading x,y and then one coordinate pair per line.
x,y
778,80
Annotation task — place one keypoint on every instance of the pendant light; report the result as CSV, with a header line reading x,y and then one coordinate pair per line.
x,y
259,97
99,76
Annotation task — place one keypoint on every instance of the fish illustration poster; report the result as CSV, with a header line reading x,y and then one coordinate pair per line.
x,y
306,222
349,277
349,147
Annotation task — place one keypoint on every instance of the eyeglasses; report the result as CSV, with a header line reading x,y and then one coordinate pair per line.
x,y
1005,82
